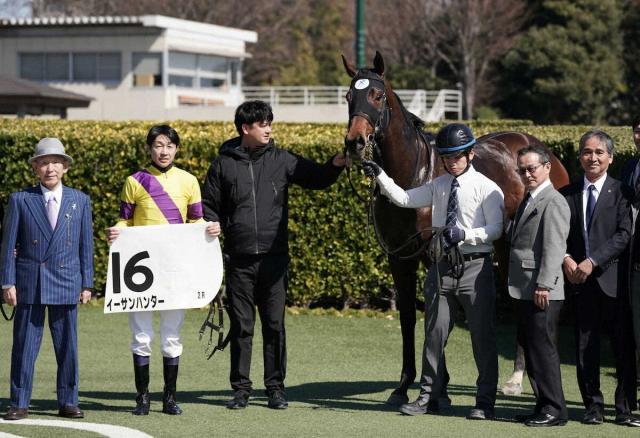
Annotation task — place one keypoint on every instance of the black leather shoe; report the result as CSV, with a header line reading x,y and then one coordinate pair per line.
x,y
16,414
169,404
521,418
545,420
594,415
70,411
142,404
277,400
481,414
240,400
418,407
627,420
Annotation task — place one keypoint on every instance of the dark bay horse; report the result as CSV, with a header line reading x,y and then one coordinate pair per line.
x,y
382,129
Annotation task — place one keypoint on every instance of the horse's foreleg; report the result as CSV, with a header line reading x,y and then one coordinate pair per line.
x,y
405,277
513,386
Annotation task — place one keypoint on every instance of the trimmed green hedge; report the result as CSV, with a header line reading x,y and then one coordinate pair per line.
x,y
332,259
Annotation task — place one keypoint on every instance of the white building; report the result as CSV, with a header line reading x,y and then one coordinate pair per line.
x,y
135,67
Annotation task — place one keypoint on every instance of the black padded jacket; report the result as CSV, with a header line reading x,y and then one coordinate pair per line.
x,y
248,194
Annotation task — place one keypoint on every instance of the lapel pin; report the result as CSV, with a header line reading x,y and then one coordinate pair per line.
x,y
73,206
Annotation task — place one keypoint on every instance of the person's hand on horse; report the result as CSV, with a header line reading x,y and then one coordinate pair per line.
x,y
453,235
371,168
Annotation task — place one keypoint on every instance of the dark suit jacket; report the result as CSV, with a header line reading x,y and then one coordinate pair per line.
x,y
608,236
52,266
627,180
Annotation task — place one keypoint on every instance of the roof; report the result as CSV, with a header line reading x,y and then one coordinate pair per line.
x,y
15,93
158,21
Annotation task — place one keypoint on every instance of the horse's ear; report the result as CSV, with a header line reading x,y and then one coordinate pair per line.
x,y
378,64
351,70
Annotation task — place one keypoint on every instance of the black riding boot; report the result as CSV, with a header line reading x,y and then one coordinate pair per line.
x,y
142,386
169,405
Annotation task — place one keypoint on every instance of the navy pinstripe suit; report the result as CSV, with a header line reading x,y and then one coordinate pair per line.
x,y
50,270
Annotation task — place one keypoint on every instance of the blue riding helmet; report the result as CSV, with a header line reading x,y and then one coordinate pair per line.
x,y
453,139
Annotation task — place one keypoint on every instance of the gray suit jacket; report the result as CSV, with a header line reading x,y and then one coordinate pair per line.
x,y
538,246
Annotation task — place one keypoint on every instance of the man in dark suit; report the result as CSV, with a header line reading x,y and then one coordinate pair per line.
x,y
600,231
46,262
631,179
538,242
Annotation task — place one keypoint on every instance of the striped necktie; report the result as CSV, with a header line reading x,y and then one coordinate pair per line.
x,y
452,205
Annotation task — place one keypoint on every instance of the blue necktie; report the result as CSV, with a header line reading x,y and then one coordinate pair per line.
x,y
452,205
591,205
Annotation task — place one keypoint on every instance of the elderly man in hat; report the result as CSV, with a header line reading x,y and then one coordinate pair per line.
x,y
46,262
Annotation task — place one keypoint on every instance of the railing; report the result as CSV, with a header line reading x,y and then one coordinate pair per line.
x,y
427,104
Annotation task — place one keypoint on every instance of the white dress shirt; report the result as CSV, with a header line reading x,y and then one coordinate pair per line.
x,y
537,191
480,205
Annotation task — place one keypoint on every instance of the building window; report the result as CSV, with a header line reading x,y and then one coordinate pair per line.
x,y
198,71
100,67
32,66
44,66
65,67
181,81
147,69
56,67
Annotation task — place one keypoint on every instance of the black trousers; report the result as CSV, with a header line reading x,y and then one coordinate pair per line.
x,y
260,281
594,310
537,333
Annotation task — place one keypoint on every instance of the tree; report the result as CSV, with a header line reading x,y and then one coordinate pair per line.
x,y
567,68
470,36
630,98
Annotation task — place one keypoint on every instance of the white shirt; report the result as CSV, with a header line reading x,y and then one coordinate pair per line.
x,y
480,205
585,195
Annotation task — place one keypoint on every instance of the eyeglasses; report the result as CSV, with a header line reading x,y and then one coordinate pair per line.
x,y
531,169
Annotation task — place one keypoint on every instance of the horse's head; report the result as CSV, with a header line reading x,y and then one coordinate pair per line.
x,y
368,110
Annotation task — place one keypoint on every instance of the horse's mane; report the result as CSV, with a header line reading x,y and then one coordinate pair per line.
x,y
416,121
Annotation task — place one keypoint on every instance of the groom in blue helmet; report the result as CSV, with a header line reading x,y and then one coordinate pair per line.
x,y
469,209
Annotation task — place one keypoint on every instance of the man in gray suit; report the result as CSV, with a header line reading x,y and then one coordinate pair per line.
x,y
538,243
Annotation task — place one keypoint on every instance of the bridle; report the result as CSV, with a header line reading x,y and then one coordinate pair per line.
x,y
359,105
380,118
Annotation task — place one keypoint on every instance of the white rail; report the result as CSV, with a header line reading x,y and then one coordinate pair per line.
x,y
427,104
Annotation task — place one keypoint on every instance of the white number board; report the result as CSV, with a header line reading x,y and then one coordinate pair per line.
x,y
162,267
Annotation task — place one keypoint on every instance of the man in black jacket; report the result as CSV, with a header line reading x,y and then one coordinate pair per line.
x,y
599,234
246,190
630,178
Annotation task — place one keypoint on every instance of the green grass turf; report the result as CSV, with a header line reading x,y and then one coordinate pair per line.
x,y
340,372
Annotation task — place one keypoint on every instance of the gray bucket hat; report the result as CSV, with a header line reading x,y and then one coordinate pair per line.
x,y
50,146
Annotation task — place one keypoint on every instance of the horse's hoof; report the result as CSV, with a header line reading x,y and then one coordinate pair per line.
x,y
512,388
397,399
